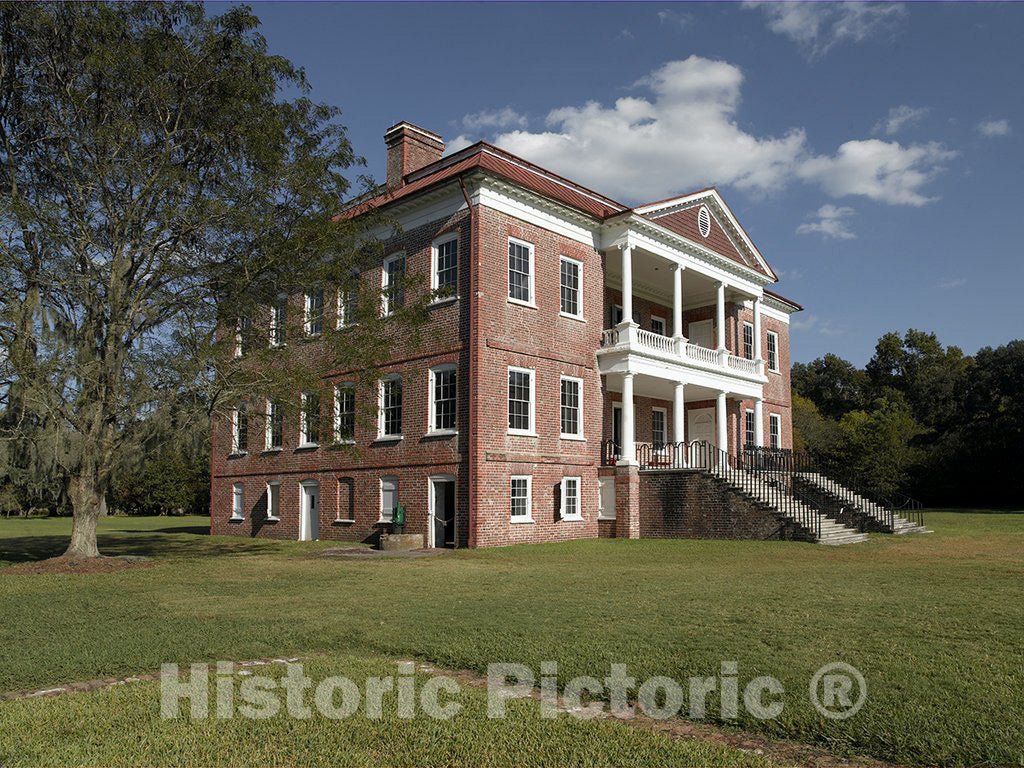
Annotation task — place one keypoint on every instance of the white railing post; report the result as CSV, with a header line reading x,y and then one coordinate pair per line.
x,y
627,454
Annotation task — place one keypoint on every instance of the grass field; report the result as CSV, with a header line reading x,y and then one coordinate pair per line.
x,y
935,623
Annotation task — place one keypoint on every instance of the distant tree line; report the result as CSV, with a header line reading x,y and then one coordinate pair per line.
x,y
920,419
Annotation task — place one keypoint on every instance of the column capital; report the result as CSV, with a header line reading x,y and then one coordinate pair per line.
x,y
677,267
624,246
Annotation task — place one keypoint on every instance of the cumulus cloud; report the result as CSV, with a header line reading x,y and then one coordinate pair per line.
x,y
994,128
501,119
817,27
679,130
884,171
899,118
830,221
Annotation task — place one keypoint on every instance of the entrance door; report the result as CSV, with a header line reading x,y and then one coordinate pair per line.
x,y
701,429
442,512
617,430
309,511
701,333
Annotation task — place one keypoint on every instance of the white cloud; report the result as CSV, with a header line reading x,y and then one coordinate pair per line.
x,y
499,119
811,322
830,222
817,26
994,128
899,118
677,18
884,171
950,282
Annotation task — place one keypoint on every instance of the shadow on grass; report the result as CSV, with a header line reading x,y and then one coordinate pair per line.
x,y
154,544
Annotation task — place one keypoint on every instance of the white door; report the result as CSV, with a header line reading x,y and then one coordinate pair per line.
x,y
701,429
701,333
309,512
607,498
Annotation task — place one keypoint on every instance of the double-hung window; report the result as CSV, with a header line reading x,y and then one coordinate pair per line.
x,y
344,412
520,272
442,398
521,498
239,429
390,424
571,397
278,318
748,341
571,287
658,325
749,432
570,506
445,277
775,430
520,401
238,501
309,420
659,429
314,318
274,426
273,500
773,351
392,277
347,299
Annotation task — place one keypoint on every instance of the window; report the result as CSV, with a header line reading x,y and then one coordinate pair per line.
x,y
773,351
314,318
273,500
242,326
347,301
278,318
390,407
748,437
275,426
344,412
394,293
572,407
571,499
704,221
659,433
774,430
520,272
442,398
520,401
658,325
616,315
239,429
388,498
571,277
521,498
748,341
446,267
238,501
309,420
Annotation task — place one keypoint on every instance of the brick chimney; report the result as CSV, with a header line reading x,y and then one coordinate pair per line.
x,y
409,149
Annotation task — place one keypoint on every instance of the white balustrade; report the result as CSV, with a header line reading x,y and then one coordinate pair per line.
x,y
609,337
702,354
742,364
656,341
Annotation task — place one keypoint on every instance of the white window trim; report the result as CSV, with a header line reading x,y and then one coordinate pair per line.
x,y
532,303
307,320
743,333
664,324
273,484
385,307
432,405
777,368
749,412
434,276
336,425
532,431
268,429
237,492
282,299
579,499
380,501
579,407
664,417
776,419
303,436
236,437
238,338
528,517
579,290
342,319
381,437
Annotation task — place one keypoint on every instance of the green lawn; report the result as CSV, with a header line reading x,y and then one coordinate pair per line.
x,y
933,622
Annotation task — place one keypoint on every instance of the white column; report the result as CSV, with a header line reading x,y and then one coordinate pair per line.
x,y
759,421
757,336
627,454
627,284
720,316
679,415
677,309
721,423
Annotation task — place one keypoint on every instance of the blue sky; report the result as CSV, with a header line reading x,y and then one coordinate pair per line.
x,y
873,152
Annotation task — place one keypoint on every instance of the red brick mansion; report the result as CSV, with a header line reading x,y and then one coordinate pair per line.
x,y
582,345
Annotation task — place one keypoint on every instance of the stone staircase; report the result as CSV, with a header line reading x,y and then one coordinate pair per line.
x,y
876,512
832,533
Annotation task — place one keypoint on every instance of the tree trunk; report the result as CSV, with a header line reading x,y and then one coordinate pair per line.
x,y
87,502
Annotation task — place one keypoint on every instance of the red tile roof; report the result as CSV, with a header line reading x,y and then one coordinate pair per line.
x,y
684,222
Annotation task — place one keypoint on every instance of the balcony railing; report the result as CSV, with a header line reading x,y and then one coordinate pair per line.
x,y
665,346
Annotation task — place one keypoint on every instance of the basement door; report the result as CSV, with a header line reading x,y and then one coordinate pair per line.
x,y
309,511
442,512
